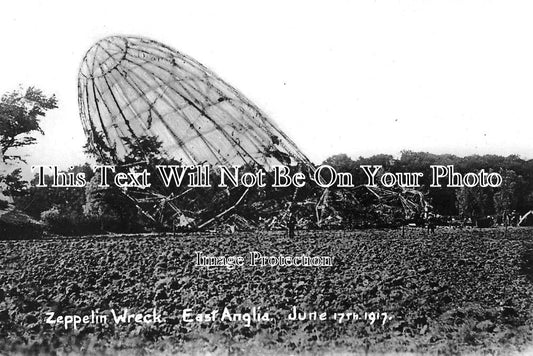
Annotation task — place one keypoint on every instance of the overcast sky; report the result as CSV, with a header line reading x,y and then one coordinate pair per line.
x,y
360,78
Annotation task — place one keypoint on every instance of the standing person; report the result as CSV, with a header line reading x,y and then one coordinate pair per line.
x,y
291,221
432,223
291,224
506,219
514,218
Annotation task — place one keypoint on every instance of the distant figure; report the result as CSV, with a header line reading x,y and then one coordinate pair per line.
x,y
431,223
291,224
514,218
506,219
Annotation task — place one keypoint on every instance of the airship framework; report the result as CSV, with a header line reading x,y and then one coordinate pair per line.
x,y
131,88
137,95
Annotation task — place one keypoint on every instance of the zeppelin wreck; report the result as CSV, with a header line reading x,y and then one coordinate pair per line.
x,y
142,103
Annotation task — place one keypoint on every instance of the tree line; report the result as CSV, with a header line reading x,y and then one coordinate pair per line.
x,y
514,194
80,210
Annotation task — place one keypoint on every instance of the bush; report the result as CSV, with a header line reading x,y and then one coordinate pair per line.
x,y
55,221
3,204
64,223
61,222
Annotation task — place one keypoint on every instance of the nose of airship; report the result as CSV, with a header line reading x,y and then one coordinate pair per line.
x,y
103,57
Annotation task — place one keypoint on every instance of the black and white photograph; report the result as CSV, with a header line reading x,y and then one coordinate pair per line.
x,y
266,177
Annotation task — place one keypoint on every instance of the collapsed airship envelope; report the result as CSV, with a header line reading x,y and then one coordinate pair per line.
x,y
132,87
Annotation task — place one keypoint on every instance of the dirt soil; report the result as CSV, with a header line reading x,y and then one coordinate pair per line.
x,y
454,292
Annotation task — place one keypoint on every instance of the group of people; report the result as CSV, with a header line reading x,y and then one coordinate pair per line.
x,y
506,219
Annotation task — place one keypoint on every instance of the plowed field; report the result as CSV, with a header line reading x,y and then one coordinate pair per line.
x,y
456,291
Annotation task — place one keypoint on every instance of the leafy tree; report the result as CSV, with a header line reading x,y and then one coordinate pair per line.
x,y
506,199
20,114
341,163
14,183
474,202
143,149
35,199
108,205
